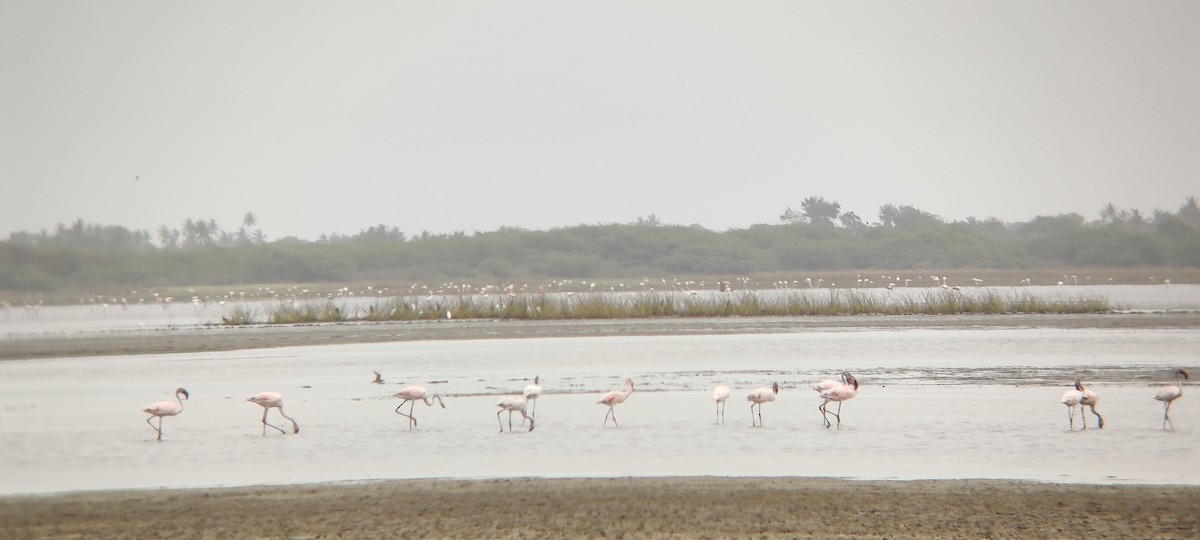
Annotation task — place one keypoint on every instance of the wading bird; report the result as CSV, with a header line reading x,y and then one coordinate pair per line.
x,y
413,394
165,408
532,393
758,397
1071,398
513,404
1168,394
614,398
842,392
719,395
269,400
1090,400
378,378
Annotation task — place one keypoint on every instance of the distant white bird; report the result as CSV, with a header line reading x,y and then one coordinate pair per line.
x,y
758,397
165,408
512,404
720,395
1168,395
269,400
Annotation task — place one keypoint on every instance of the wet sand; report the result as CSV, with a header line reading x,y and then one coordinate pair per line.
x,y
697,507
226,338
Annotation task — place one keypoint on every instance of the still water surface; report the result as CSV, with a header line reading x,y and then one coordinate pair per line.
x,y
934,403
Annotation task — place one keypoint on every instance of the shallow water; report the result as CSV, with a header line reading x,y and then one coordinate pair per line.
x,y
935,403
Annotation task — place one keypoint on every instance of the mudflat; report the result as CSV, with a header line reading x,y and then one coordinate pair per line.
x,y
687,507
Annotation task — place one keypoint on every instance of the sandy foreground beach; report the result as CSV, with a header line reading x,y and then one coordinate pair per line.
x,y
694,507
667,507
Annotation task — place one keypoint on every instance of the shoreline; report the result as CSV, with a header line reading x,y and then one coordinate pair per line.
x,y
665,507
226,338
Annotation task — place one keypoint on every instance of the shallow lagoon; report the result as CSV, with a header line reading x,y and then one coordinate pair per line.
x,y
935,403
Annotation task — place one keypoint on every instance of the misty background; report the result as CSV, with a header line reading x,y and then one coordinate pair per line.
x,y
329,119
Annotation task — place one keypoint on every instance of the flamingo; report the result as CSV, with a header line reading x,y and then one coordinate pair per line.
x,y
1090,399
413,394
614,398
378,378
1072,398
1168,394
513,404
842,392
532,393
269,400
166,408
758,397
719,395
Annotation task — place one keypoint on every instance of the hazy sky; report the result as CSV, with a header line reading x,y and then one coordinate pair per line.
x,y
330,117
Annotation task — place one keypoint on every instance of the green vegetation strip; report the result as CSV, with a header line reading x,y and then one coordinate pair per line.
x,y
544,306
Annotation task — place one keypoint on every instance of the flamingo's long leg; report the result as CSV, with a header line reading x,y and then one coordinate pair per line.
x,y
1167,416
839,415
411,420
157,430
265,424
499,422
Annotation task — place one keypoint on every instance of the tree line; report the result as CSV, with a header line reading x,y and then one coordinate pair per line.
x,y
819,236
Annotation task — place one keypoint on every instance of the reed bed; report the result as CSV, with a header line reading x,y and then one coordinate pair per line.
x,y
652,304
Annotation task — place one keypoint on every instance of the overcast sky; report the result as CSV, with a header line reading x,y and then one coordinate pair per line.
x,y
330,117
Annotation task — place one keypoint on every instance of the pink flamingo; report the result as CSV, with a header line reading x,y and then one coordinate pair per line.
x,y
758,397
165,408
269,400
719,395
532,393
1090,399
1071,398
513,404
1168,394
614,398
843,392
413,394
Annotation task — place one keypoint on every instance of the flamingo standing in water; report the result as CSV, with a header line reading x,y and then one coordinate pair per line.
x,y
269,400
719,395
758,397
413,394
1090,399
513,404
1072,398
1168,394
614,398
532,393
842,392
166,408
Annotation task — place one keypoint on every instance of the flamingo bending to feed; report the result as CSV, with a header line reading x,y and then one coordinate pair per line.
x,y
843,392
614,398
758,397
532,393
165,408
513,404
1168,394
720,395
1090,399
413,394
1071,398
269,400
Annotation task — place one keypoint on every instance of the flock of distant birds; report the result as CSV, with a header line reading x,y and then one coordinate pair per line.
x,y
829,390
